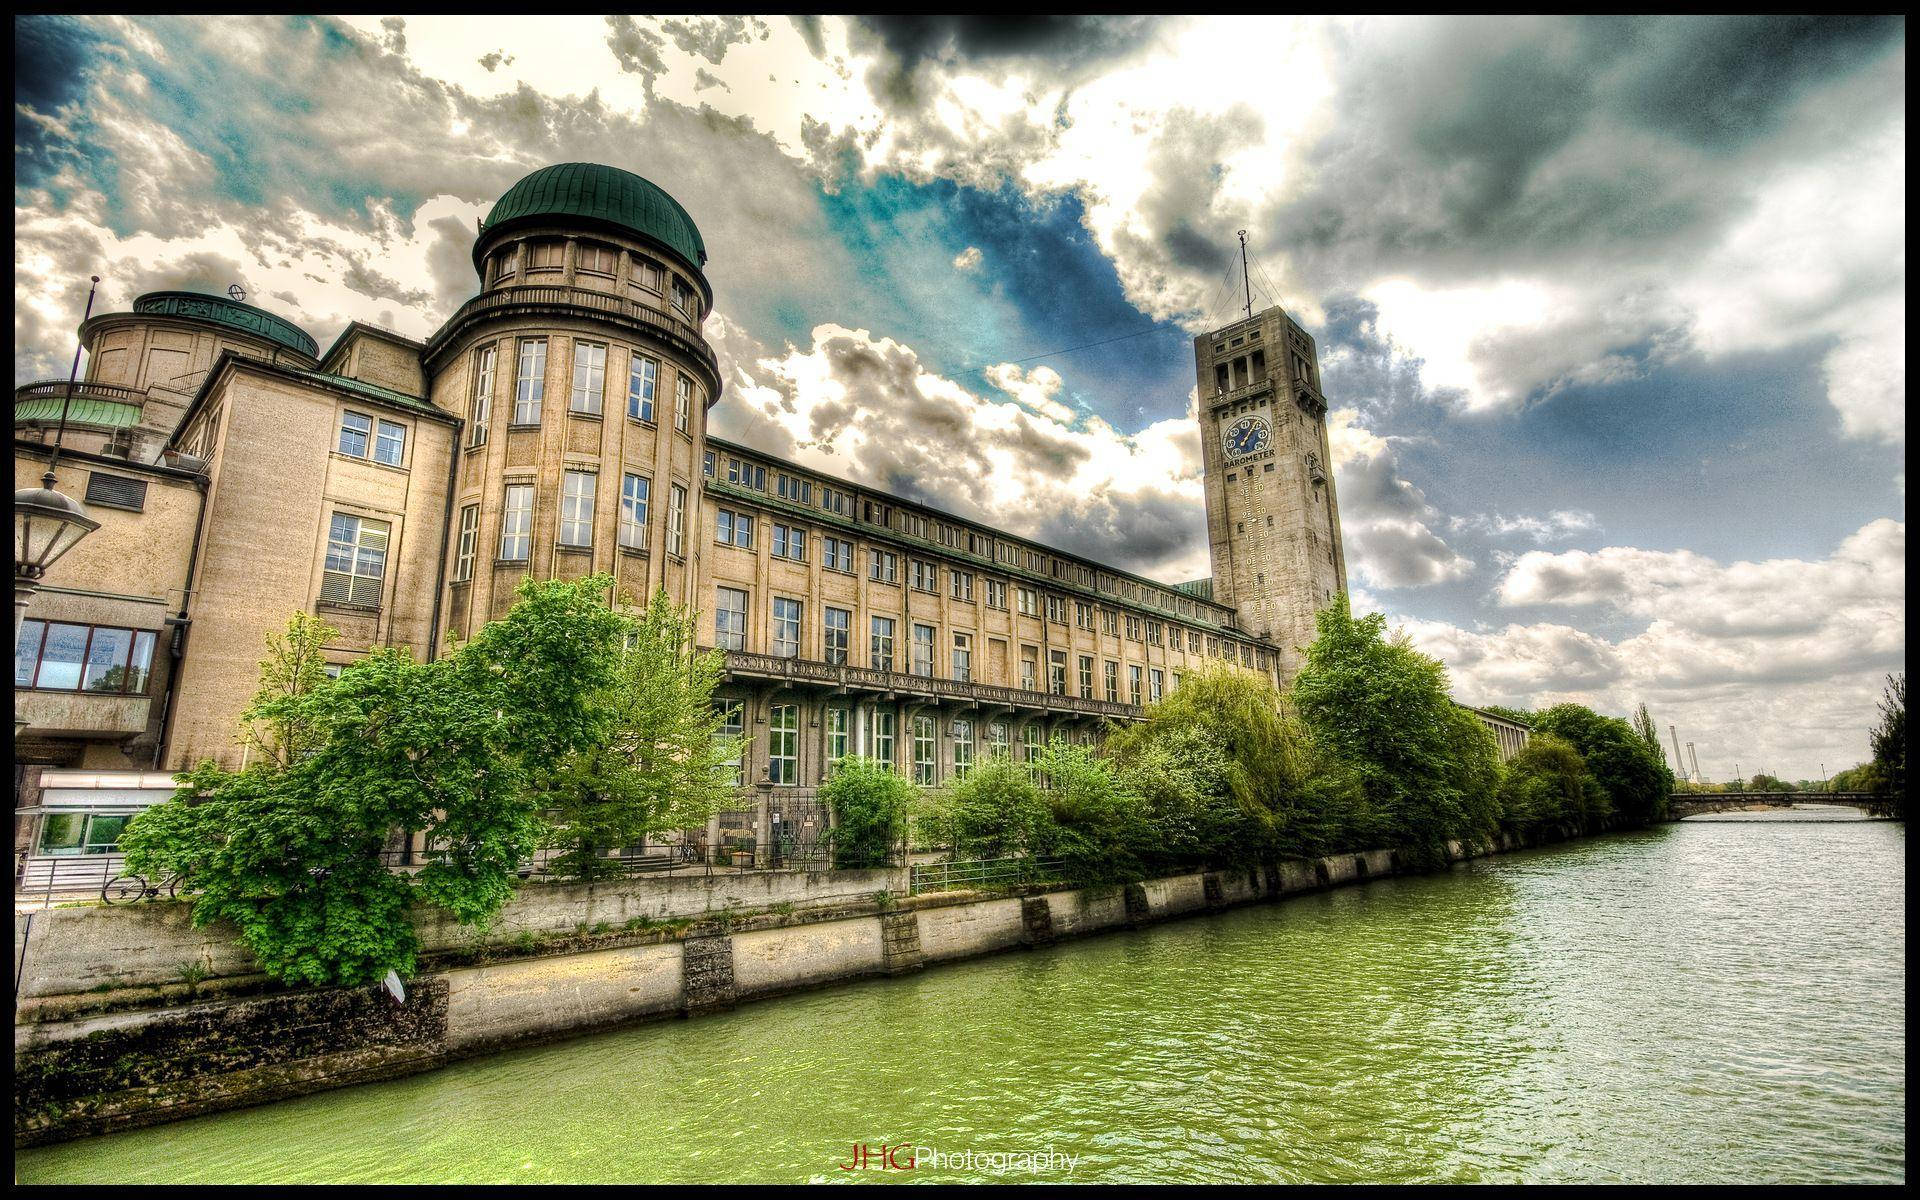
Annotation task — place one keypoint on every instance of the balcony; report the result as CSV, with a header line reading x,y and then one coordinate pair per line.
x,y
548,298
800,672
98,405
83,715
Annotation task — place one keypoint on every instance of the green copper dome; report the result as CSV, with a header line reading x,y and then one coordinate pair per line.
x,y
245,317
605,195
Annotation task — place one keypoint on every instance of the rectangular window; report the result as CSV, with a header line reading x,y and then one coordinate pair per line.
x,y
469,543
733,529
1113,682
883,566
683,299
635,492
833,502
789,542
960,585
482,406
676,518
747,474
800,491
597,259
997,594
837,555
1133,683
926,576
589,379
1056,610
997,739
730,618
546,256
883,737
838,743
516,523
682,403
963,657
530,383
923,729
355,429
356,563
962,747
733,724
1133,627
882,644
783,744
1156,685
1030,750
643,374
1109,621
1086,677
1030,668
1057,672
1193,641
786,627
1082,615
1153,633
839,630
1029,601
923,650
576,508
90,658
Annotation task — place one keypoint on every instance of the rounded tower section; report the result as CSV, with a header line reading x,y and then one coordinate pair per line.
x,y
585,380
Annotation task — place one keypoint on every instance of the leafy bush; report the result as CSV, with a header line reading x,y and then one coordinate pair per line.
x,y
1548,790
997,811
1637,783
869,805
1096,825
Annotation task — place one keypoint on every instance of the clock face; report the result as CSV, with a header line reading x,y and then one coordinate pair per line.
x,y
1248,435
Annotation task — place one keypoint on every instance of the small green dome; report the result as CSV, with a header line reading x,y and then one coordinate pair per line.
x,y
257,321
606,195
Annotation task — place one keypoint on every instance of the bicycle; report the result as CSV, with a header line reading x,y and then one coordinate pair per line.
x,y
131,889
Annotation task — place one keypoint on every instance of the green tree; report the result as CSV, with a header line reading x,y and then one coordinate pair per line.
x,y
1383,708
1636,781
1769,783
1512,714
280,729
1097,826
869,803
663,763
1548,790
1861,777
289,848
1649,732
997,811
1889,742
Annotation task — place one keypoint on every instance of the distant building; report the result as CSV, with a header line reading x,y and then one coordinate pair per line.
x,y
556,425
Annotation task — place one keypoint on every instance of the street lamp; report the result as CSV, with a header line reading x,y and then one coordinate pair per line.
x,y
46,524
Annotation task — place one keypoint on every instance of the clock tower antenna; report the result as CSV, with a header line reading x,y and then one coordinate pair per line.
x,y
1246,281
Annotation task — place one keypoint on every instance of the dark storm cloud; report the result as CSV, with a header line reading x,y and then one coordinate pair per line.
x,y
910,45
812,34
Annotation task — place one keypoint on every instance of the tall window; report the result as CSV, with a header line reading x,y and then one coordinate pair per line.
x,y
783,743
683,299
676,518
997,739
839,631
635,492
1133,683
1029,601
926,576
786,627
923,650
356,560
1086,677
962,748
468,544
1156,685
730,618
1030,668
923,751
996,594
883,566
838,745
963,657
85,658
883,736
960,585
1113,682
589,378
1057,672
1030,749
883,643
643,375
516,523
789,542
576,508
482,408
1056,610
355,430
390,443
733,723
530,383
836,554
682,403
1082,615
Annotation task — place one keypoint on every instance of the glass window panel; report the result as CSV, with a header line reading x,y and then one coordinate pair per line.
x,y
26,652
140,667
63,833
354,430
65,647
390,446
107,660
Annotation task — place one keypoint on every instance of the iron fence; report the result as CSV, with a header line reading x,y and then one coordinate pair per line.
x,y
983,872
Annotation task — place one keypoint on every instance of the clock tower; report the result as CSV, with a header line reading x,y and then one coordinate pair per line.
x,y
1272,521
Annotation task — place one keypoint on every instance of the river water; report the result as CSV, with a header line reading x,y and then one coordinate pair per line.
x,y
1719,1000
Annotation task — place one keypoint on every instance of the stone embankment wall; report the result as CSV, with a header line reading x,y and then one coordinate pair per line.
x,y
128,1016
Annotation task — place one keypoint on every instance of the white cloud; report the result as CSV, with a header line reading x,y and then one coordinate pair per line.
x,y
1386,523
968,259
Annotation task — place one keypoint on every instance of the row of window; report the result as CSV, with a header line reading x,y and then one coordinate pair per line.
x,y
362,436
730,633
60,656
735,528
588,394
578,494
879,739
795,489
543,260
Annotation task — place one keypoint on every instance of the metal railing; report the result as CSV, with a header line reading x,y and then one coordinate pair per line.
x,y
56,389
982,872
844,678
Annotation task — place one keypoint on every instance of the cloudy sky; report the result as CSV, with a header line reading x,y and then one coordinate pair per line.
x,y
1612,311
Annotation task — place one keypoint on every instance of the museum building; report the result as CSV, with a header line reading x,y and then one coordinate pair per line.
x,y
556,426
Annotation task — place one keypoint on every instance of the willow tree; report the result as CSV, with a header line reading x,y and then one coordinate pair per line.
x,y
663,763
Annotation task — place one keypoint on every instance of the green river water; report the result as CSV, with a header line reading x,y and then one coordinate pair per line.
x,y
1709,1001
